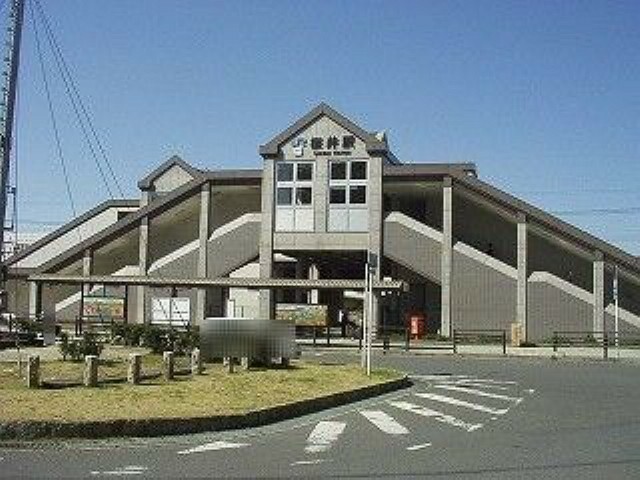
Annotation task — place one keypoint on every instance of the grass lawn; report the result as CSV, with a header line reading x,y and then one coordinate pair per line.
x,y
214,393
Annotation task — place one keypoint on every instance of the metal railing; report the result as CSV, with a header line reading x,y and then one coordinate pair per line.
x,y
596,339
482,336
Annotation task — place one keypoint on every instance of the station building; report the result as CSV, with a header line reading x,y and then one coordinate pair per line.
x,y
328,196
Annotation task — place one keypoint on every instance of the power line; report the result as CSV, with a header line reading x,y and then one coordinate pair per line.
x,y
64,68
79,118
52,115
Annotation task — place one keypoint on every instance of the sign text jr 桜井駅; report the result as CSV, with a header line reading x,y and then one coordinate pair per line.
x,y
333,145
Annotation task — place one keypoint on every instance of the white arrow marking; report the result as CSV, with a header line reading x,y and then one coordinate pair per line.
x,y
480,393
323,435
438,416
208,447
461,403
418,447
128,470
308,462
384,422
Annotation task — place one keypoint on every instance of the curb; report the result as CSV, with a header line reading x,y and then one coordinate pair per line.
x,y
155,427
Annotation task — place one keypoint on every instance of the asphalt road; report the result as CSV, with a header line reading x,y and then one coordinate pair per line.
x,y
464,418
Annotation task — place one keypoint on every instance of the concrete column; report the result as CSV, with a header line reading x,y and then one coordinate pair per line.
x,y
90,378
314,274
33,371
320,194
35,299
168,365
598,292
87,270
143,252
196,362
376,213
135,368
266,236
201,293
521,300
302,270
447,257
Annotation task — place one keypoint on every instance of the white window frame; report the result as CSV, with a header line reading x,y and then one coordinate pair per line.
x,y
347,183
294,208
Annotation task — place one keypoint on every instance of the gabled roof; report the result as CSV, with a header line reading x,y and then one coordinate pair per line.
x,y
147,182
373,143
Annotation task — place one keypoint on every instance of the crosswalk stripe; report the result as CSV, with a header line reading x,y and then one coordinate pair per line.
x,y
480,393
438,416
384,422
461,403
490,381
323,436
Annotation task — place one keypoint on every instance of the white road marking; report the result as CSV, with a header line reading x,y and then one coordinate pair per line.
x,y
208,447
128,470
438,377
478,385
493,382
480,393
530,391
438,416
308,462
323,436
418,447
461,403
384,422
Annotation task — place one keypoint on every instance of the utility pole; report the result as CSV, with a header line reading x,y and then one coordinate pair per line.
x,y
7,107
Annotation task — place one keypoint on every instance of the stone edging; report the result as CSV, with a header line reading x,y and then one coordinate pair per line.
x,y
30,430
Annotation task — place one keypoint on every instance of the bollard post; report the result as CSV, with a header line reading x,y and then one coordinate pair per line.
x,y
244,363
284,362
455,343
328,336
228,362
33,371
90,378
555,342
385,344
135,367
605,346
168,365
196,362
315,334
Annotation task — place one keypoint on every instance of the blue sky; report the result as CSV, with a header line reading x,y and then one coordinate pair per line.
x,y
543,95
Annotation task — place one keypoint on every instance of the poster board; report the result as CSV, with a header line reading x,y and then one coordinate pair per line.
x,y
170,311
302,314
104,308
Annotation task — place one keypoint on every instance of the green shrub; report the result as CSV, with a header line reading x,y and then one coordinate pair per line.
x,y
76,349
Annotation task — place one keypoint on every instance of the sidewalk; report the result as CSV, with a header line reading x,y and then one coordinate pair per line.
x,y
444,348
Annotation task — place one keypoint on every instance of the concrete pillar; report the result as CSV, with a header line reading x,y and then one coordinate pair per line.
x,y
598,292
196,362
302,270
376,214
521,295
267,304
314,274
320,195
90,377
245,363
168,364
35,299
143,254
87,270
447,257
201,293
33,371
134,373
